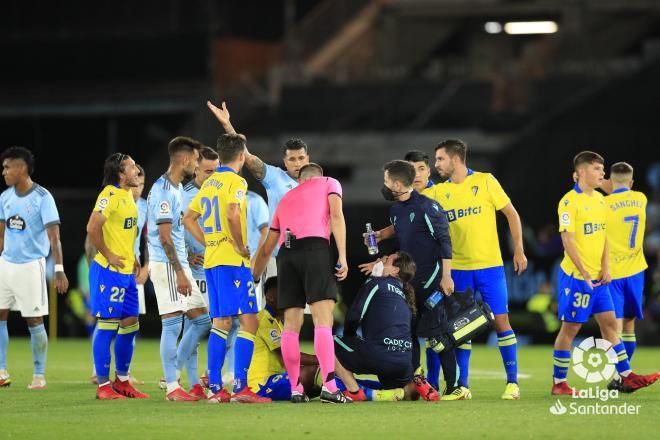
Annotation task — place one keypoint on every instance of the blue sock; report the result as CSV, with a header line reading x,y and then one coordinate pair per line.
x,y
168,338
229,357
509,350
243,349
124,347
4,343
623,366
180,361
562,360
195,329
463,360
630,342
432,367
217,348
105,331
39,342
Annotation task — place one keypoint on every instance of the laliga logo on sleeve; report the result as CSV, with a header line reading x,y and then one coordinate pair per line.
x,y
164,208
594,360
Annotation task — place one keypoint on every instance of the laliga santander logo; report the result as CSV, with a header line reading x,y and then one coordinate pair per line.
x,y
594,360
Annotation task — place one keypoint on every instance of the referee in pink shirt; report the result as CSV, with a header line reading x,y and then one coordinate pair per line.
x,y
301,226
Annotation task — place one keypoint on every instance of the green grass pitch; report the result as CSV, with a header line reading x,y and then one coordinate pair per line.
x,y
67,409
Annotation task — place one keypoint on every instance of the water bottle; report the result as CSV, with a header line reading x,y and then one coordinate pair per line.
x,y
434,299
372,243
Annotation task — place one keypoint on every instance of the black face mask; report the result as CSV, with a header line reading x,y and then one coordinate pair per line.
x,y
390,195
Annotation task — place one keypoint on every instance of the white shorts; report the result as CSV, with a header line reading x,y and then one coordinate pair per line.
x,y
203,289
141,301
23,287
169,300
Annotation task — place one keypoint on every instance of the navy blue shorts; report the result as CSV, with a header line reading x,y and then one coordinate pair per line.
x,y
277,387
627,295
231,291
489,282
393,368
576,302
113,295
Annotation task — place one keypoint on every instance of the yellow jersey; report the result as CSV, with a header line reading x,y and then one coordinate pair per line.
x,y
585,216
120,227
626,222
221,189
471,209
431,192
265,360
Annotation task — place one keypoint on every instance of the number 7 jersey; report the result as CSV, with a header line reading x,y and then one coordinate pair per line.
x,y
223,188
626,220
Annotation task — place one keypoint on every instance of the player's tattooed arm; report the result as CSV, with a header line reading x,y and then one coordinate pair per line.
x,y
90,250
254,165
165,235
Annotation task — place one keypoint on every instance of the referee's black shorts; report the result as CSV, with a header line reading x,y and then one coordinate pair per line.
x,y
305,273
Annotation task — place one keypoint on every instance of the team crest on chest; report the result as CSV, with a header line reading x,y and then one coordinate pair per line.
x,y
412,217
237,283
447,196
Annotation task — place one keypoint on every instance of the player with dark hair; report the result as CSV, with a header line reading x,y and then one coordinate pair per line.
x,y
112,229
471,200
420,225
383,309
276,181
422,164
29,229
176,291
221,202
584,274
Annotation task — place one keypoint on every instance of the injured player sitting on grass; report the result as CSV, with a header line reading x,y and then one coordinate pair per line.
x,y
377,336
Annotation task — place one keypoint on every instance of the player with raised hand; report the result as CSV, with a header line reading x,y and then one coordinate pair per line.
x,y
112,229
176,291
276,181
29,228
221,202
584,274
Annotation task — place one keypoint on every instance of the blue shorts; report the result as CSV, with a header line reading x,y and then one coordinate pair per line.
x,y
627,295
277,387
490,283
577,303
113,295
231,291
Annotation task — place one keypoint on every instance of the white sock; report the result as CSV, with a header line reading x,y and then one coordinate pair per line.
x,y
625,373
104,384
122,378
558,381
172,386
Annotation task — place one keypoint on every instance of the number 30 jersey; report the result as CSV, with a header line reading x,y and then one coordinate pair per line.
x,y
585,216
225,187
626,220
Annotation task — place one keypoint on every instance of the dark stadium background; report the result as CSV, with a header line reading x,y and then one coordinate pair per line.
x,y
360,81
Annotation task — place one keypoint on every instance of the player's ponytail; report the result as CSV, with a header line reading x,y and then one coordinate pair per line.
x,y
407,268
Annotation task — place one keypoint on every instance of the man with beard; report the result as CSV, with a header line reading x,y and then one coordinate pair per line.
x,y
176,291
